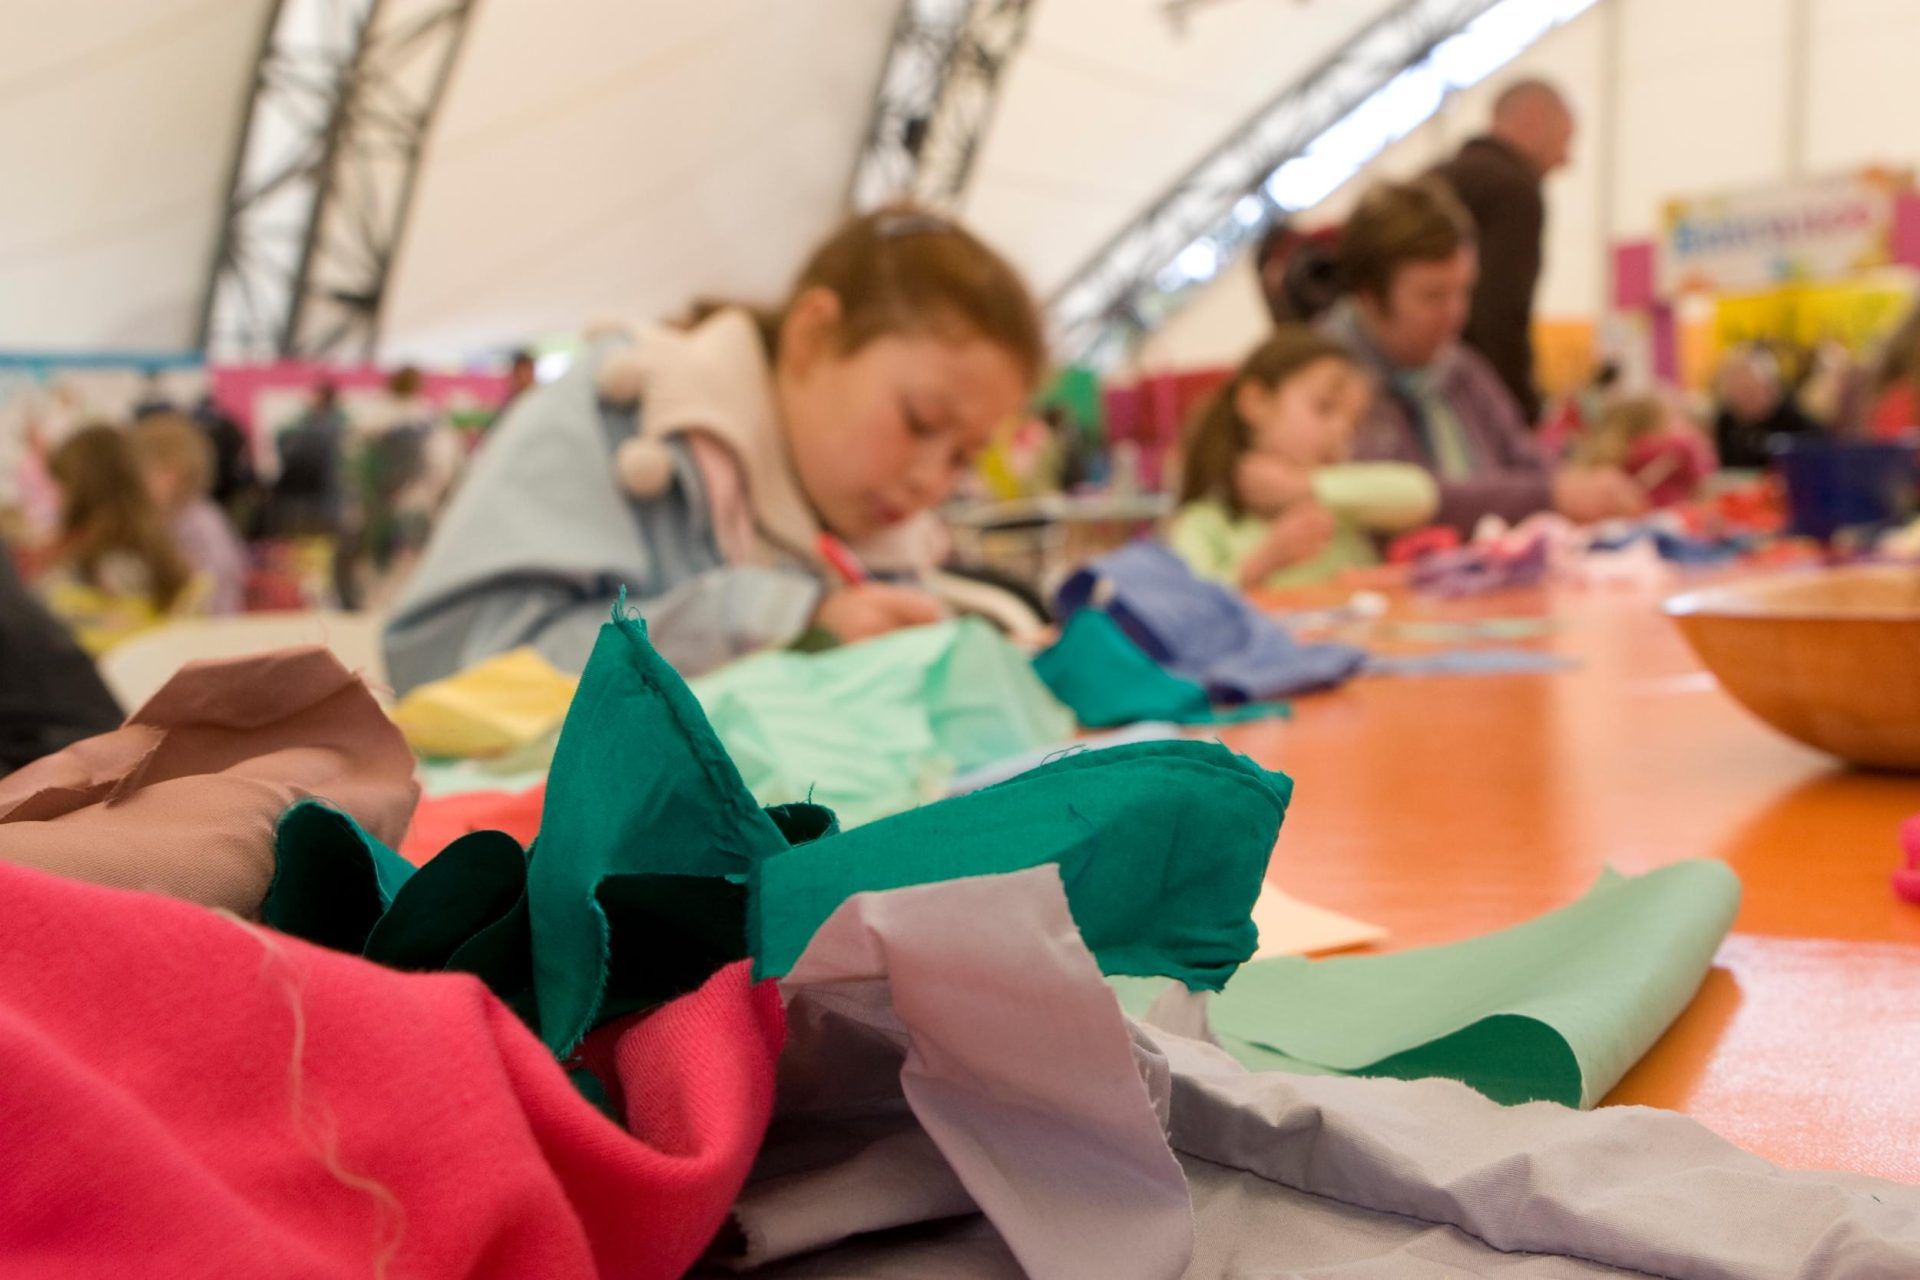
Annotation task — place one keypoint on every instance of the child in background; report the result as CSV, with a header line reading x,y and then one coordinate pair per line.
x,y
114,569
177,462
698,468
1655,443
1267,496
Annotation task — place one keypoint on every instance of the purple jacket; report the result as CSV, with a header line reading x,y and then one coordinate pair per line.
x,y
1509,478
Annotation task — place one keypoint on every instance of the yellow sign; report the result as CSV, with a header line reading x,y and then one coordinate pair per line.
x,y
1856,313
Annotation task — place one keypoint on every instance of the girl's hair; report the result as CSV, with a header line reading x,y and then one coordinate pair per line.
x,y
1218,435
105,509
906,270
172,440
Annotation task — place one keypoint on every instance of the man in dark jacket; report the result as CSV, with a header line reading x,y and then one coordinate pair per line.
x,y
1497,176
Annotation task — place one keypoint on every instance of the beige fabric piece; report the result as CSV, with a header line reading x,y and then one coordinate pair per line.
x,y
184,797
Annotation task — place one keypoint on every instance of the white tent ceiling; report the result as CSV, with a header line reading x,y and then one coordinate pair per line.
x,y
601,156
117,129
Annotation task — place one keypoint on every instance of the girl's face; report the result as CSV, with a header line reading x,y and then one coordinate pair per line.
x,y
1309,419
882,433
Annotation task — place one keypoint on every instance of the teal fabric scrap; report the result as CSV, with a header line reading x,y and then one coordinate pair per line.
x,y
1107,679
1162,847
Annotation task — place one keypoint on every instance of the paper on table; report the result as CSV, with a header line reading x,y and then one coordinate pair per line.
x,y
1557,1008
1290,927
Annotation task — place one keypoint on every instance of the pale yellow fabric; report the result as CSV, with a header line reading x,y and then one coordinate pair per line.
x,y
501,705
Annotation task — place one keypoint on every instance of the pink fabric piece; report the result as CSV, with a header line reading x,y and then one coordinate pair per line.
x,y
186,1095
183,798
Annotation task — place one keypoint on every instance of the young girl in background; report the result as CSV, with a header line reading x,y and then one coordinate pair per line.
x,y
700,468
1267,496
176,461
114,568
1652,440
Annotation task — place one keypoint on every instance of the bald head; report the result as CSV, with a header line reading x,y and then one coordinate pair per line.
x,y
1531,117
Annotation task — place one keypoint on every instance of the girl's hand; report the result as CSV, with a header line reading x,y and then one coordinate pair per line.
x,y
1267,486
1299,535
875,608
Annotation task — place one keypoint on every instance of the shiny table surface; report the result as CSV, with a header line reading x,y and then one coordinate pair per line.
x,y
1447,806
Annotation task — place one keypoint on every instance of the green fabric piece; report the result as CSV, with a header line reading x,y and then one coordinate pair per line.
x,y
640,787
1108,680
875,728
1162,847
1558,1008
316,894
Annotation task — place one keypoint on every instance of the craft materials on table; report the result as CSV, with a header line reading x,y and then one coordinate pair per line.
x,y
950,1045
1201,631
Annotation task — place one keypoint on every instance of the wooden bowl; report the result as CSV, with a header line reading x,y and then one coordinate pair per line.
x,y
1830,658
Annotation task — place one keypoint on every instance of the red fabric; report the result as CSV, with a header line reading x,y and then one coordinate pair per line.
x,y
440,820
1894,414
165,1115
1673,464
1435,538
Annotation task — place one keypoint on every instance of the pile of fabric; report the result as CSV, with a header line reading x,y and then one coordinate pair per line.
x,y
680,1030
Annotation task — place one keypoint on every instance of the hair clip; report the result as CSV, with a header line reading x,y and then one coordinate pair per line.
x,y
889,226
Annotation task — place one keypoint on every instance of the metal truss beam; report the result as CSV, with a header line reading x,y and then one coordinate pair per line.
x,y
1287,156
344,92
935,100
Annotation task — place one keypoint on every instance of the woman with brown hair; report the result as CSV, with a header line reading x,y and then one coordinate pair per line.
x,y
1408,260
114,568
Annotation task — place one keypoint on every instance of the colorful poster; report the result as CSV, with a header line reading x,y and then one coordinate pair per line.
x,y
1746,241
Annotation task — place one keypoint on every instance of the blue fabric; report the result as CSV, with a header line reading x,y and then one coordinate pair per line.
x,y
1468,662
1679,548
1200,630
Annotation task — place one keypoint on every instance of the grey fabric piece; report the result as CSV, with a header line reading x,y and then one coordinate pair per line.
x,y
1249,1229
977,1003
1621,1190
539,540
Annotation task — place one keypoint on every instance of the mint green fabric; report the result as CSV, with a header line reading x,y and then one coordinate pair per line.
x,y
1558,1008
1162,847
874,728
1107,680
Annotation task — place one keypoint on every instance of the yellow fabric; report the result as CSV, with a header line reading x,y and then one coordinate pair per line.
x,y
501,705
101,620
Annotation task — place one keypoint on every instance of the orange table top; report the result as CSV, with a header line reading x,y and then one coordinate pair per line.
x,y
1448,806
